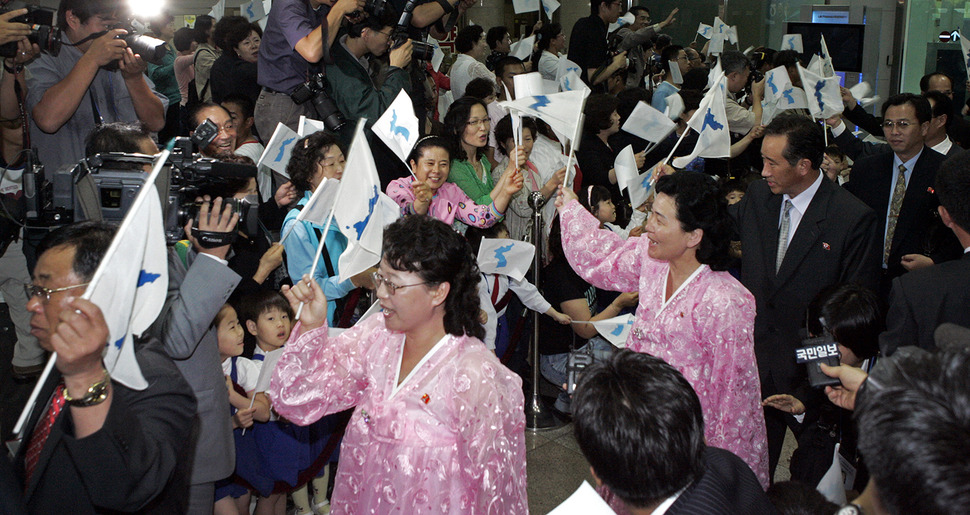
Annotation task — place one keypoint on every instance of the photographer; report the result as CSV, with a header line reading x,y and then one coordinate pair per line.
x,y
28,357
352,85
70,93
298,35
588,46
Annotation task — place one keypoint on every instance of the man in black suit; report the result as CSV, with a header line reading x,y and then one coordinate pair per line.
x,y
640,425
923,299
800,234
898,186
958,129
936,134
93,445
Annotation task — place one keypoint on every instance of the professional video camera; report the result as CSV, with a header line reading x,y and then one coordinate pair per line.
x,y
105,185
42,31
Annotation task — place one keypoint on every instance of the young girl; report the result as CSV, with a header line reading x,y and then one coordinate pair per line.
x,y
519,216
241,375
599,202
428,193
495,290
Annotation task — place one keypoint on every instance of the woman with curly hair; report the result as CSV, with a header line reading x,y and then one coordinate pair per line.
x,y
315,158
235,70
692,313
438,424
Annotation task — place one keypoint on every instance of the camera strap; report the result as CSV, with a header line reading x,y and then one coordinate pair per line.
x,y
211,240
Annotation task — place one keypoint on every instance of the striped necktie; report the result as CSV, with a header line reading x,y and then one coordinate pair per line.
x,y
899,192
783,234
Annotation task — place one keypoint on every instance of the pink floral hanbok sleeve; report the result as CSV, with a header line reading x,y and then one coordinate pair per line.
x,y
448,204
600,256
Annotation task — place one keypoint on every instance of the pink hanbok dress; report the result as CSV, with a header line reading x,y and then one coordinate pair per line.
x,y
449,203
705,330
448,439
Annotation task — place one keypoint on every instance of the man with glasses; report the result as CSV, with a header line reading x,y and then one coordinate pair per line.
x,y
91,444
898,186
670,55
94,79
353,81
224,144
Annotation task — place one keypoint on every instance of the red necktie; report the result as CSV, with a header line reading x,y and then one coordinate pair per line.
x,y
43,430
495,291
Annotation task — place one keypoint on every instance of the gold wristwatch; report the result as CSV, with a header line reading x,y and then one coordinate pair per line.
x,y
95,395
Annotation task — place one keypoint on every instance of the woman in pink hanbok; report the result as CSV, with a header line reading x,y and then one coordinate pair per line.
x,y
438,425
691,313
426,192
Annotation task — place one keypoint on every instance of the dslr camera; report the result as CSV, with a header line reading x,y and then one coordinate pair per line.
x,y
150,49
42,31
314,91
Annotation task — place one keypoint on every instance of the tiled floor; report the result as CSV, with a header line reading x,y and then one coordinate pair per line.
x,y
556,467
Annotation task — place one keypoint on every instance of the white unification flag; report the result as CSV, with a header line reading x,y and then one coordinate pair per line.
x,y
705,30
277,153
647,123
131,282
308,126
398,127
717,44
828,69
317,209
776,80
732,34
523,47
714,74
622,21
720,27
218,10
572,82
815,65
675,107
506,257
525,6
792,42
266,369
639,189
439,55
359,211
565,67
583,501
614,329
549,7
625,165
710,122
562,111
253,11
823,94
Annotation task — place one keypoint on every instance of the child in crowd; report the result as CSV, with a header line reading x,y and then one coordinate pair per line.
x,y
482,89
241,377
241,110
733,191
598,201
286,450
519,215
495,290
428,193
836,165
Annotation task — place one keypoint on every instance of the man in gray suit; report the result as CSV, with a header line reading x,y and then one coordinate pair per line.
x,y
200,282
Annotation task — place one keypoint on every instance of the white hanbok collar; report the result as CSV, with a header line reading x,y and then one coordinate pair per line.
x,y
398,385
680,289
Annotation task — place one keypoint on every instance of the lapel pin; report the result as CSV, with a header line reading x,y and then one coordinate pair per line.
x,y
425,398
930,190
826,246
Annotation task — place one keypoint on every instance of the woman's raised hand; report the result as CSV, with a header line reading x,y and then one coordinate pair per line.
x,y
307,292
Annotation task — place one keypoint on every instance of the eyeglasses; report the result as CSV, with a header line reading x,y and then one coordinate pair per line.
x,y
483,122
391,287
32,290
901,125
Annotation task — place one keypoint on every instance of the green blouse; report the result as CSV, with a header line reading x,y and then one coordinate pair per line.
x,y
463,175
